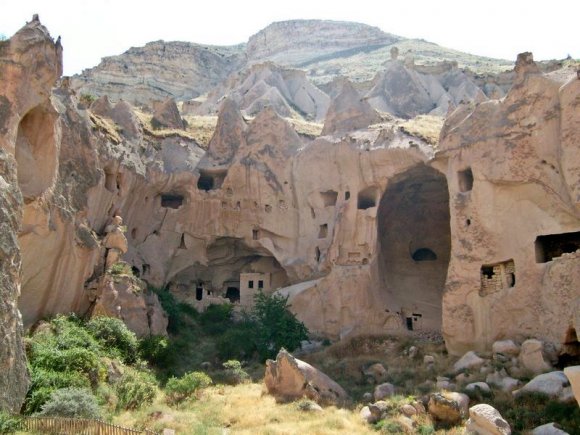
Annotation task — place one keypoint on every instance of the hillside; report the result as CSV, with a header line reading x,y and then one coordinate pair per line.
x,y
323,49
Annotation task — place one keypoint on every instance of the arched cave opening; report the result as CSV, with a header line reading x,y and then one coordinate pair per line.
x,y
230,262
414,239
367,198
36,154
211,179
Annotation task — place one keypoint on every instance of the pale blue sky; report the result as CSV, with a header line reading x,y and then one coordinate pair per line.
x,y
92,29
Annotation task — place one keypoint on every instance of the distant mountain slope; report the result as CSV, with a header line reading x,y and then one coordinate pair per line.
x,y
323,49
158,70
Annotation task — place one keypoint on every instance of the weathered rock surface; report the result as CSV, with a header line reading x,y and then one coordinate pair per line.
x,y
348,112
502,274
159,70
448,407
166,115
383,391
30,63
287,91
551,384
290,378
469,361
532,357
548,429
486,420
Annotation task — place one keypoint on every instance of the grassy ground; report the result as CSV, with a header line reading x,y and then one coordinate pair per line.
x,y
243,409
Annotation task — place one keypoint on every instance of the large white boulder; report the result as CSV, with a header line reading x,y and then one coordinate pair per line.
x,y
486,420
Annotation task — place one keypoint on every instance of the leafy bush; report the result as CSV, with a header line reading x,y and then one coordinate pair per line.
x,y
180,389
178,313
154,349
135,389
8,423
238,342
276,326
216,319
44,382
234,374
114,336
72,402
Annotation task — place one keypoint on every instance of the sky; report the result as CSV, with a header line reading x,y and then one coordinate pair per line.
x,y
94,29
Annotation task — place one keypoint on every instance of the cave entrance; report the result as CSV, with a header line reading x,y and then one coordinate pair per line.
x,y
414,239
233,294
554,245
35,152
211,179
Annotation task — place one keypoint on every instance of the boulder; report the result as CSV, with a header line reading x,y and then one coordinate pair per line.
x,y
486,420
481,386
384,390
532,357
552,384
413,351
469,361
573,375
376,371
448,407
548,429
366,414
289,378
408,410
505,347
502,381
428,359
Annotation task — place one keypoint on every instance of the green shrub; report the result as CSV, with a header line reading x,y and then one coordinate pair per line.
x,y
154,349
238,342
72,402
276,326
44,382
135,389
216,319
8,423
68,360
114,337
180,389
178,313
234,374
389,426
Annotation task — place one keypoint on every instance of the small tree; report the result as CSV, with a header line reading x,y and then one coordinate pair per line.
x,y
276,326
180,389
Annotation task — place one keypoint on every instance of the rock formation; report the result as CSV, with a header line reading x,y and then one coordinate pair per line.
x,y
512,168
288,91
166,115
288,378
30,63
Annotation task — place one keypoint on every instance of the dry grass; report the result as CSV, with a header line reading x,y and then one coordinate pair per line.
x,y
106,126
145,119
305,128
201,128
243,409
426,127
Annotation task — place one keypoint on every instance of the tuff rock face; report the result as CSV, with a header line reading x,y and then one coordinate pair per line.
x,y
30,63
288,91
513,168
